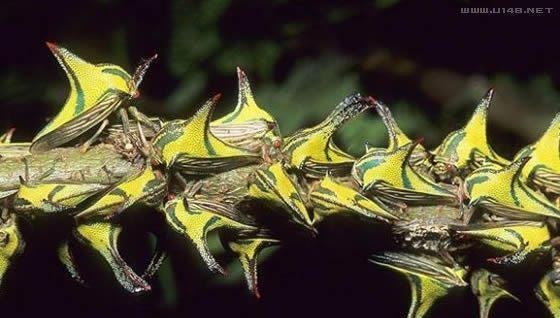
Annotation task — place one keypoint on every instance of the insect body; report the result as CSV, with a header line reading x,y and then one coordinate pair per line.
x,y
502,192
195,218
313,150
248,126
429,278
488,288
103,238
190,147
247,250
390,176
397,138
11,244
254,136
273,184
543,167
96,91
467,148
331,197
519,238
548,292
54,197
147,186
66,257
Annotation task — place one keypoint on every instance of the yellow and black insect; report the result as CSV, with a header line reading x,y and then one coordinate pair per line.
x,y
488,288
249,126
96,91
518,238
222,176
11,243
397,138
548,292
543,167
103,237
428,277
53,197
389,175
331,197
502,192
248,247
196,217
146,186
273,184
66,257
190,147
467,148
313,151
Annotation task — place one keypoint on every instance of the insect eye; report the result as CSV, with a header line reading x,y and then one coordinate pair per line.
x,y
277,143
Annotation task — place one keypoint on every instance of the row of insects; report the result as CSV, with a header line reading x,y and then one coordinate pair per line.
x,y
203,175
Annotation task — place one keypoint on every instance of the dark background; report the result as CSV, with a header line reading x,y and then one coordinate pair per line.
x,y
428,61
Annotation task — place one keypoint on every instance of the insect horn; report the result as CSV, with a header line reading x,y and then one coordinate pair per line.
x,y
478,119
245,92
347,109
409,147
52,47
139,74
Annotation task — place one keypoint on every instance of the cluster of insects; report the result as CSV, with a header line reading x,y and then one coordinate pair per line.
x,y
203,174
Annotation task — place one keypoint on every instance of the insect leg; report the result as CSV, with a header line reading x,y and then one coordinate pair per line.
x,y
26,165
146,146
126,127
182,181
84,147
192,188
142,118
124,118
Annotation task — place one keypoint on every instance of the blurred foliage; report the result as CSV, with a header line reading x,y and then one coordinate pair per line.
x,y
430,65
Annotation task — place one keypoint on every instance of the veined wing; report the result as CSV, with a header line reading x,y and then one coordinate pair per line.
x,y
409,196
509,211
190,165
317,169
106,104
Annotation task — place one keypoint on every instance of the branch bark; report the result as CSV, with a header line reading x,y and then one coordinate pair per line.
x,y
102,164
